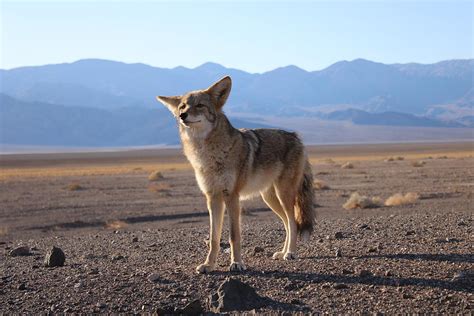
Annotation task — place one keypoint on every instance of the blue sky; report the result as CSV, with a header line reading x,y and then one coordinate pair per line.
x,y
253,36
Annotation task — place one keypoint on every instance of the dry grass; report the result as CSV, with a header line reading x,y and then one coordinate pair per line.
x,y
419,163
159,187
87,170
400,199
115,224
3,231
361,201
74,187
347,165
320,185
399,158
155,176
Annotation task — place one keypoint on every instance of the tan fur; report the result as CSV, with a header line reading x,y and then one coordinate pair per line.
x,y
232,164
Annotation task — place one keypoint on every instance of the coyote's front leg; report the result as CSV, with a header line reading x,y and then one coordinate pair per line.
x,y
233,208
215,205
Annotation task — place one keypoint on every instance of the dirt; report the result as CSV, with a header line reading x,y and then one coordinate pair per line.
x,y
132,245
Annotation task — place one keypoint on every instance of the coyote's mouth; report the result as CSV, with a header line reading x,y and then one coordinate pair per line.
x,y
190,122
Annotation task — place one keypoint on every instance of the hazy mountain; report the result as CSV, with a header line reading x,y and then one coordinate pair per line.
x,y
106,103
374,87
35,123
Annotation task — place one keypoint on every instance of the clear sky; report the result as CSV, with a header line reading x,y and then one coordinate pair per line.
x,y
249,35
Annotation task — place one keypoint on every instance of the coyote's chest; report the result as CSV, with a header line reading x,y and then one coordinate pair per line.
x,y
213,169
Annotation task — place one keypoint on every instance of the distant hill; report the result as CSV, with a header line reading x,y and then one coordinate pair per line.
x,y
35,123
97,102
370,86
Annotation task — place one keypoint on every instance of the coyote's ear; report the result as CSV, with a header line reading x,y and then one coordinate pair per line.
x,y
220,91
170,102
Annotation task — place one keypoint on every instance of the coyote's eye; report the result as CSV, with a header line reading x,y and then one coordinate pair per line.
x,y
200,105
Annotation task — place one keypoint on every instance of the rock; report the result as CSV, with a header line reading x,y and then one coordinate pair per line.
x,y
54,257
338,253
234,295
410,233
117,257
340,286
365,273
192,308
338,235
372,249
258,250
364,226
135,239
154,277
22,286
345,271
464,278
20,251
388,273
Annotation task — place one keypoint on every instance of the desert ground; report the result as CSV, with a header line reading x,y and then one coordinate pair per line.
x,y
132,244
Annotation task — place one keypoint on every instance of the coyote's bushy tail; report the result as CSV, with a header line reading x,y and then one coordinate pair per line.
x,y
305,214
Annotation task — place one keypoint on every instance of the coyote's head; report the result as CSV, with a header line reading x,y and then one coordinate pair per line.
x,y
197,110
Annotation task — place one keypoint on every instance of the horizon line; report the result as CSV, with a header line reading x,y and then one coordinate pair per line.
x,y
233,68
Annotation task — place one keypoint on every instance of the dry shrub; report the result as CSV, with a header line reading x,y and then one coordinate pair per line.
x,y
3,231
442,157
361,201
329,160
320,185
419,163
394,158
115,224
137,169
400,199
159,187
74,187
347,165
155,176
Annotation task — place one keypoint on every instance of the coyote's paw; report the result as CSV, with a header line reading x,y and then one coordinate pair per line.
x,y
237,266
289,256
278,255
204,268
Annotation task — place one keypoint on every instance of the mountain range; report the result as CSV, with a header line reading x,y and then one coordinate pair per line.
x,y
96,102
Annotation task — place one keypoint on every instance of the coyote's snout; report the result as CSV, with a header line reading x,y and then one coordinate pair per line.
x,y
233,164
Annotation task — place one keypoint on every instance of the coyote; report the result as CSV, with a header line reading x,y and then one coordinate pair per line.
x,y
232,164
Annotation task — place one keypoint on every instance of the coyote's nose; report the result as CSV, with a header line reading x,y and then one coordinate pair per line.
x,y
183,116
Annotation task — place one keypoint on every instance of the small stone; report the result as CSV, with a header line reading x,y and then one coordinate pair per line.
x,y
410,233
54,257
463,278
117,257
22,286
372,249
338,235
258,250
154,277
338,253
365,273
340,286
345,271
388,273
20,251
407,296
135,239
79,285
462,223
364,226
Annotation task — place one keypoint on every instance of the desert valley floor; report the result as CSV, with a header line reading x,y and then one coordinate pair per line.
x,y
132,244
